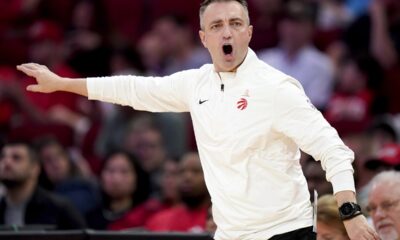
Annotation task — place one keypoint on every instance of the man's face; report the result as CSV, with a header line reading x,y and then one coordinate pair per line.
x,y
15,166
384,206
226,34
191,178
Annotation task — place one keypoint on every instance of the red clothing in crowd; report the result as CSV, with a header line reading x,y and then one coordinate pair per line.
x,y
349,113
137,216
179,218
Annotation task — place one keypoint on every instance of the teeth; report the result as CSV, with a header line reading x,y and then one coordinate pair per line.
x,y
227,49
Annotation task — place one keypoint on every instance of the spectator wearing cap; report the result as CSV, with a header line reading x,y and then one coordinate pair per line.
x,y
297,57
387,158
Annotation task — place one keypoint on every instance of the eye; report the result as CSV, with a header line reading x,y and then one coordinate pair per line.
x,y
236,24
216,26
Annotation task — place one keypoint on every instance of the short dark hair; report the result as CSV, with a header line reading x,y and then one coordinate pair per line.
x,y
32,154
206,3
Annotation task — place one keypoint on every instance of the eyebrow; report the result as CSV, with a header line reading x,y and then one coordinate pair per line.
x,y
230,20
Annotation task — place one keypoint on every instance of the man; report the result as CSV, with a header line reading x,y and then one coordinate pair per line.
x,y
249,120
25,203
384,204
190,216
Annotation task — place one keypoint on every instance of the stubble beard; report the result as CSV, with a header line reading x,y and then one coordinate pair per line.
x,y
391,235
12,184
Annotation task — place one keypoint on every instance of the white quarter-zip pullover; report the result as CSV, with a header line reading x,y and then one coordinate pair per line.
x,y
249,126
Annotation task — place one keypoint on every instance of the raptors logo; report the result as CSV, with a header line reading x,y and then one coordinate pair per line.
x,y
242,104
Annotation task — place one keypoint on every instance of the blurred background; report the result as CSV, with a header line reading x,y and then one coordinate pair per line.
x,y
346,53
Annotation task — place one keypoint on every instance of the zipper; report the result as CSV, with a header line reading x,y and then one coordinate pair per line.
x,y
222,86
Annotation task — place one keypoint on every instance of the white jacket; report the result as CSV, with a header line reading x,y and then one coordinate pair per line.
x,y
248,136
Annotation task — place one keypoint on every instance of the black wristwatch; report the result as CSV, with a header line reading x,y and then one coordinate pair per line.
x,y
349,210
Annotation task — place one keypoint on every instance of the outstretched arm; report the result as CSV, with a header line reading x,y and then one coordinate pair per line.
x,y
48,82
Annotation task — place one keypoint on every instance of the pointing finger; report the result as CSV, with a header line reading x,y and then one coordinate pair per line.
x,y
27,69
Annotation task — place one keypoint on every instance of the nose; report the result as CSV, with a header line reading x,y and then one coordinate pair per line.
x,y
379,213
227,33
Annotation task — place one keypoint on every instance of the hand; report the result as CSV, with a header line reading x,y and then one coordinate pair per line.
x,y
47,81
358,229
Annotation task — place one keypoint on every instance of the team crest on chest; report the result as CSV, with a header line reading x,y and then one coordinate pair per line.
x,y
242,103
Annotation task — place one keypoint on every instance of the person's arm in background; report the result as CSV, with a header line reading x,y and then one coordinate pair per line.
x,y
298,119
381,45
48,82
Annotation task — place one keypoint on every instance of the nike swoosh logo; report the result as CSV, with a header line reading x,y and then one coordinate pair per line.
x,y
202,101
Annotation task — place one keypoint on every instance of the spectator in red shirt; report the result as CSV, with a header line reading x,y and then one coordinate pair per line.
x,y
191,215
351,107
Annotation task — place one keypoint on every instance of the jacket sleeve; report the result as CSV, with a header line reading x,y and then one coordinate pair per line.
x,y
297,118
155,94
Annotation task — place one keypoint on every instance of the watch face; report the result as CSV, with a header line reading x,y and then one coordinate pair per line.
x,y
347,209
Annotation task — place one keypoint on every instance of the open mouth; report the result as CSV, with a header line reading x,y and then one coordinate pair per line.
x,y
227,49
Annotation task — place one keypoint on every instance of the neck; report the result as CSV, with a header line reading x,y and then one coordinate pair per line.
x,y
21,193
120,204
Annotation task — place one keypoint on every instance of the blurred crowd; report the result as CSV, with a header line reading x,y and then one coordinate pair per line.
x,y
118,168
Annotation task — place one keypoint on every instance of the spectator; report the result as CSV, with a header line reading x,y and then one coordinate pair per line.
x,y
383,204
297,57
191,215
67,177
265,18
170,196
377,32
382,131
329,224
144,139
388,158
25,203
352,105
125,189
86,39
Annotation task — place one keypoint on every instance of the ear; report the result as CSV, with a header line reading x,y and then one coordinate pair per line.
x,y
250,31
202,36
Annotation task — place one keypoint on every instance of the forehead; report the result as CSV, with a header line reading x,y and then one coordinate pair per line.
x,y
223,11
190,161
386,190
19,148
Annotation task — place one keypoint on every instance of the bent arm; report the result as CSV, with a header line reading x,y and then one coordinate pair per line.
x,y
300,121
48,82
